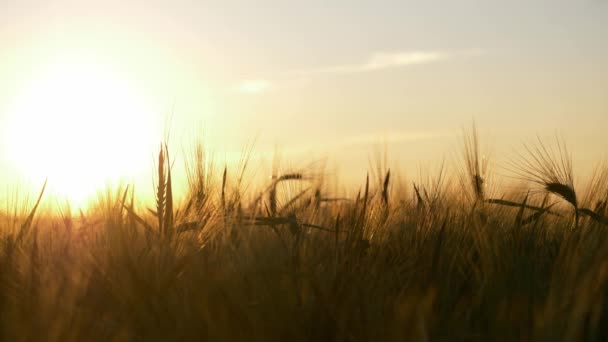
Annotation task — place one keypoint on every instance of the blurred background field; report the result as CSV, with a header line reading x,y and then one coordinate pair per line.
x,y
448,255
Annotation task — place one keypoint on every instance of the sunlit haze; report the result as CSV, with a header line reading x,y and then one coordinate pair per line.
x,y
88,89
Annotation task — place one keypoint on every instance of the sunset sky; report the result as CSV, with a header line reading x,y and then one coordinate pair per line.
x,y
93,82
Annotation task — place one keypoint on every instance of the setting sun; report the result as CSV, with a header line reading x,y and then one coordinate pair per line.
x,y
81,124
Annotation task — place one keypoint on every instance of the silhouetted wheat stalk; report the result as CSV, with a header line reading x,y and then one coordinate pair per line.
x,y
27,224
551,169
476,165
164,198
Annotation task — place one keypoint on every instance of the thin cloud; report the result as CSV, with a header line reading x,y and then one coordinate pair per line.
x,y
369,139
254,86
394,137
376,62
383,60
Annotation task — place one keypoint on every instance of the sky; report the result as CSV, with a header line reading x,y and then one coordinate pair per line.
x,y
310,79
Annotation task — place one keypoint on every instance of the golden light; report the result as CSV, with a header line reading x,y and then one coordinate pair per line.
x,y
81,124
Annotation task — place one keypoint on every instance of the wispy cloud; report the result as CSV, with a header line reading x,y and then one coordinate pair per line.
x,y
370,139
375,62
394,137
381,61
253,86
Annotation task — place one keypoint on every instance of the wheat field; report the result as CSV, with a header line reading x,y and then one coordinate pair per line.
x,y
450,256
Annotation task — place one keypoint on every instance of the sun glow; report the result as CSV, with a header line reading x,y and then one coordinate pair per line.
x,y
81,124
